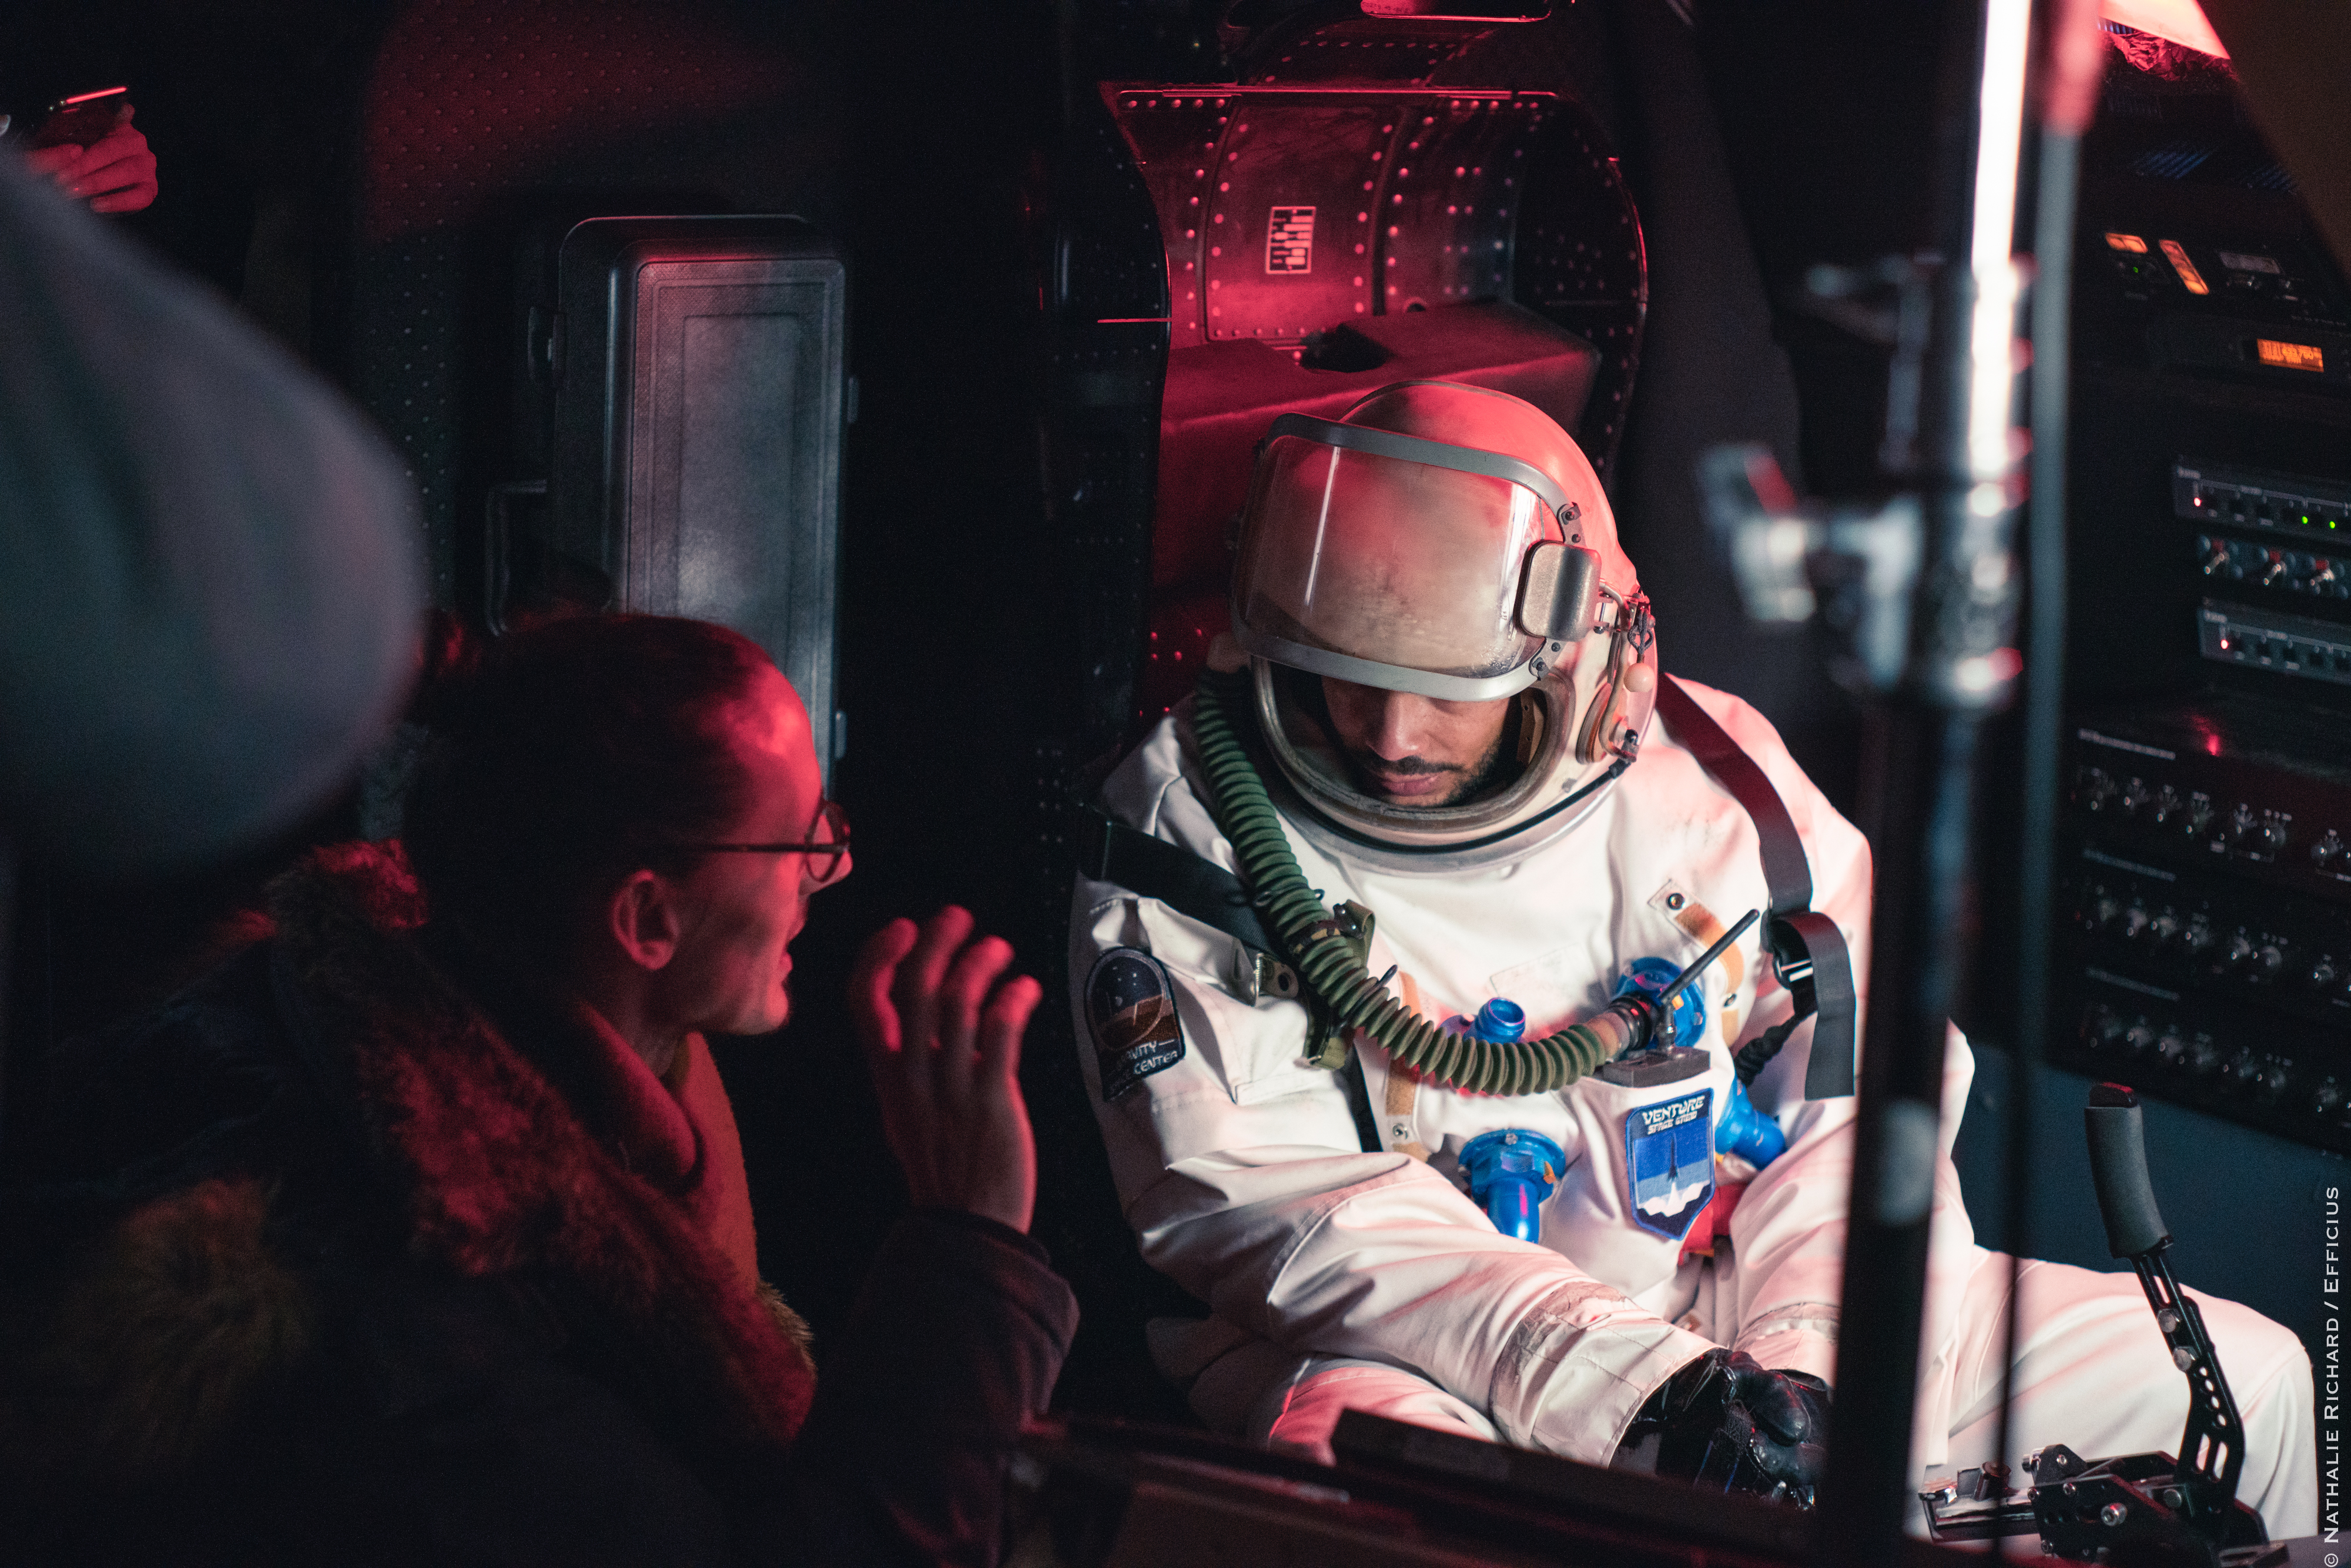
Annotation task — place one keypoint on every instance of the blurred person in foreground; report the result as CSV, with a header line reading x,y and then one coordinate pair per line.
x,y
418,1231
210,572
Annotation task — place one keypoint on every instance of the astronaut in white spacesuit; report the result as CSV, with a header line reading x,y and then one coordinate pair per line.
x,y
1442,707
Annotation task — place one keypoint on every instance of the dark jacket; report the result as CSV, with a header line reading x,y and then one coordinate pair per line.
x,y
320,1263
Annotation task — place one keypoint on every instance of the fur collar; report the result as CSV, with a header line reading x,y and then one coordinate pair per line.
x,y
501,1173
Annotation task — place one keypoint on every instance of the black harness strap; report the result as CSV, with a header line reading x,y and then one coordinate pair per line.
x,y
1806,947
1110,851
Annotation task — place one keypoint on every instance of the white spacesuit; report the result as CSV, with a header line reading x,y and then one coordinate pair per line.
x,y
1326,1220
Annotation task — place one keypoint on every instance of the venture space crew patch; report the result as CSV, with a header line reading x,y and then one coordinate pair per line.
x,y
1669,1160
1130,1013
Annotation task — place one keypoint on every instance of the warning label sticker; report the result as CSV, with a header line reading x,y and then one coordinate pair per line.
x,y
1290,240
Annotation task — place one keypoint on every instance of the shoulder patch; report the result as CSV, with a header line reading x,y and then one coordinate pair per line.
x,y
1131,1014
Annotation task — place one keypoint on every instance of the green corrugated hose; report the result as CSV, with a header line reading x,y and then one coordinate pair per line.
x,y
1331,963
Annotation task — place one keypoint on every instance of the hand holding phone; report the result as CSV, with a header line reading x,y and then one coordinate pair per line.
x,y
87,145
82,120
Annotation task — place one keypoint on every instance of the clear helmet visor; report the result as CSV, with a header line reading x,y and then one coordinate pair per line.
x,y
1419,576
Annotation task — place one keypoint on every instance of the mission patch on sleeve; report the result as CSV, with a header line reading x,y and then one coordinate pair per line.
x,y
1130,1013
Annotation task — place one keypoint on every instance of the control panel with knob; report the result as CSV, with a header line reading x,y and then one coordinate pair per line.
x,y
2206,869
2276,641
2094,789
2314,574
2285,1077
2244,942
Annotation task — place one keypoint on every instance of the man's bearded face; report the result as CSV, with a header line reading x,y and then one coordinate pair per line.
x,y
1414,750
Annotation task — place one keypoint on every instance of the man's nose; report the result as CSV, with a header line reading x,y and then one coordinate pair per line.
x,y
1402,730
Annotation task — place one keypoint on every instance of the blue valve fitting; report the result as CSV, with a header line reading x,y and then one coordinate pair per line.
x,y
1685,1020
1500,1020
1512,1171
1746,1132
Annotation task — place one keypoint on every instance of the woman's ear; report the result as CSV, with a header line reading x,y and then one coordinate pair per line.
x,y
645,920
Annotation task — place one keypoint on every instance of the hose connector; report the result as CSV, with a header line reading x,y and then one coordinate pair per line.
x,y
1746,1132
1512,1171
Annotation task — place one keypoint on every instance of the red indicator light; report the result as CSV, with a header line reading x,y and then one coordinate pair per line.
x,y
2131,243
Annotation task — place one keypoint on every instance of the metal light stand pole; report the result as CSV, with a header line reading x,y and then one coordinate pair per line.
x,y
1927,588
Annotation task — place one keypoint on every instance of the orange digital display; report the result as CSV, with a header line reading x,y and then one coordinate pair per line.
x,y
2177,256
2290,355
2131,243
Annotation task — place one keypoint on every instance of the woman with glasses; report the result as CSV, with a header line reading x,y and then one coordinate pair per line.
x,y
420,1232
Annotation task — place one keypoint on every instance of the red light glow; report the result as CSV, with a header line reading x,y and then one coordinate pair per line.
x,y
2290,355
2191,279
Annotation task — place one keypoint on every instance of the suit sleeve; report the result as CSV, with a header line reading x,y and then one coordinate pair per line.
x,y
956,1338
1239,1169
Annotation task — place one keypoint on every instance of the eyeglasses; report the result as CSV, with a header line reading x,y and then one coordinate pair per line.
x,y
828,856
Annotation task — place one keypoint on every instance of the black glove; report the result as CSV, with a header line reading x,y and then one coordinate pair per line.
x,y
1728,1425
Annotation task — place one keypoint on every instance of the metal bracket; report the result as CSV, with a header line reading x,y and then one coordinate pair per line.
x,y
1255,976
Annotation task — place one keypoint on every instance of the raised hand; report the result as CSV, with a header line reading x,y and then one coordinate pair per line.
x,y
945,1053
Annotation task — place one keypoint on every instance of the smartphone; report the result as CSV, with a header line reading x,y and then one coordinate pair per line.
x,y
80,120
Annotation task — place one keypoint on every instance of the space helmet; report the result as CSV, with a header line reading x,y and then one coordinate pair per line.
x,y
1452,542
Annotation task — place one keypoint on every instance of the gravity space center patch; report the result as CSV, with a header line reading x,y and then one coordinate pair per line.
x,y
1130,1013
1669,1162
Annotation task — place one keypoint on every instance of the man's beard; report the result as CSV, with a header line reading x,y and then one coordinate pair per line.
x,y
1470,781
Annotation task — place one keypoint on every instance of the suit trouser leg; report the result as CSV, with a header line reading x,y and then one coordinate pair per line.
x,y
1303,1412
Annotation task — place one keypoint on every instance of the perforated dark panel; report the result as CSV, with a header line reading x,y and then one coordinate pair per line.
x,y
1579,260
404,348
1368,50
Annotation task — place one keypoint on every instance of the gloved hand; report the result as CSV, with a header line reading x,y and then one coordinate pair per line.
x,y
1728,1425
